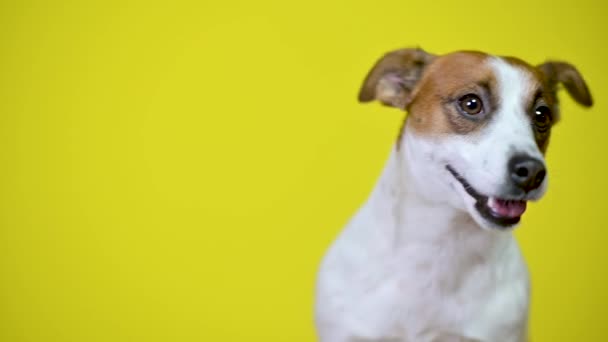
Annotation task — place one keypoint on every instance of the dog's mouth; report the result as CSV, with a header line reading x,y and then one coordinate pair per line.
x,y
500,211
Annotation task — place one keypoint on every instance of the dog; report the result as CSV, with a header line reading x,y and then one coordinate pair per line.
x,y
430,256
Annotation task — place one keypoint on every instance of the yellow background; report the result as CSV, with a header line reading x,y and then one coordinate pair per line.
x,y
175,171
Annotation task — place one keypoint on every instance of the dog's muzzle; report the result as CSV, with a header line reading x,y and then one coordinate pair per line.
x,y
503,213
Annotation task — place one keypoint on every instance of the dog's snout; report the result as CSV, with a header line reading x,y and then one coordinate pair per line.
x,y
526,172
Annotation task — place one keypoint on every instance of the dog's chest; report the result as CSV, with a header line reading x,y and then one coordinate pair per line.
x,y
467,295
498,309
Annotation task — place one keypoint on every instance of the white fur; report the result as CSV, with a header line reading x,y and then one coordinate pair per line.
x,y
414,264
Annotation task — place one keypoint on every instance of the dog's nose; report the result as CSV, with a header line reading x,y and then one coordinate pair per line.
x,y
526,172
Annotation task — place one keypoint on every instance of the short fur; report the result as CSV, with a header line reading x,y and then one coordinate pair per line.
x,y
419,262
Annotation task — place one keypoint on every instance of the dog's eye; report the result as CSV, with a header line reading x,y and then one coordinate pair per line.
x,y
542,117
471,104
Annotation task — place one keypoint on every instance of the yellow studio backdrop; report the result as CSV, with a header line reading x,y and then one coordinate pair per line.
x,y
175,171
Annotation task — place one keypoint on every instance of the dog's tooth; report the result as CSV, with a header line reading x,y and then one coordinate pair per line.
x,y
491,202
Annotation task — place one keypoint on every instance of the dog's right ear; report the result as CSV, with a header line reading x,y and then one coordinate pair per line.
x,y
394,76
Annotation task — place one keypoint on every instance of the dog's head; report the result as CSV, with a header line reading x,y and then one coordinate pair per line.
x,y
478,125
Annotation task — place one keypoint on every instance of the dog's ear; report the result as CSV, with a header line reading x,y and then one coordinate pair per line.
x,y
566,74
394,76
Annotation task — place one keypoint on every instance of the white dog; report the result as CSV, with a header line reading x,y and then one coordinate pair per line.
x,y
430,256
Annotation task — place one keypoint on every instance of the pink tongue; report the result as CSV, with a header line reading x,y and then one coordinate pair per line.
x,y
507,208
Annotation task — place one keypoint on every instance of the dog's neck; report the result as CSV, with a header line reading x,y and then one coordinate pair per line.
x,y
413,215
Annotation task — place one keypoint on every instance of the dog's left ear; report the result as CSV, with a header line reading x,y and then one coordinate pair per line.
x,y
394,76
566,74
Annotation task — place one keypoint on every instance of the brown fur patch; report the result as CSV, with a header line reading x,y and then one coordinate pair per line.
x,y
434,111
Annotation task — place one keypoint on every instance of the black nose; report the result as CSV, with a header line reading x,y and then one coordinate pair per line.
x,y
526,172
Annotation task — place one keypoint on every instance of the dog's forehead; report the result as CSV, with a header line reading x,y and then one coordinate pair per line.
x,y
451,72
458,69
523,67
